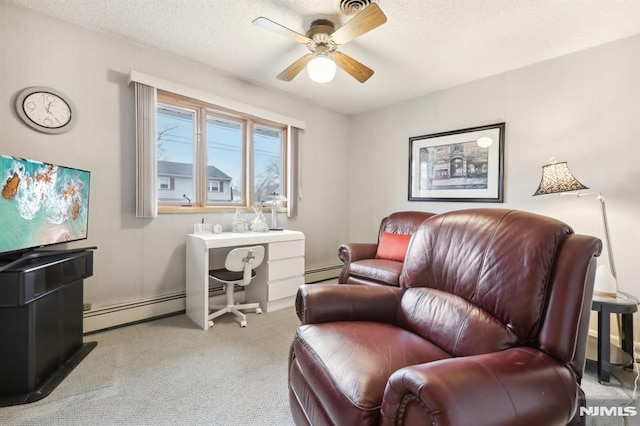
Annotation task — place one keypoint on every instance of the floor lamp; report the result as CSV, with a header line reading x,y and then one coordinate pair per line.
x,y
558,179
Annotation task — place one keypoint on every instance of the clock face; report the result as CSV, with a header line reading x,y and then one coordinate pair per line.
x,y
45,110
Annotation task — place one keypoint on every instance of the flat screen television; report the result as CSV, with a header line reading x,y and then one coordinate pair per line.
x,y
41,204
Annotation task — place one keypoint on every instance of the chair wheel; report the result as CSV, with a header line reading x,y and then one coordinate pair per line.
x,y
210,323
243,323
258,311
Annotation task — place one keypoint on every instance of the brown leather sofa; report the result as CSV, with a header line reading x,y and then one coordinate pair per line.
x,y
488,327
361,266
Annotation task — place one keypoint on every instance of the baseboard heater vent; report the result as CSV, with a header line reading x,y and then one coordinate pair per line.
x,y
106,317
322,274
141,310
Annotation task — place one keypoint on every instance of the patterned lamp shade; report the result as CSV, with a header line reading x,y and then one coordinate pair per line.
x,y
556,177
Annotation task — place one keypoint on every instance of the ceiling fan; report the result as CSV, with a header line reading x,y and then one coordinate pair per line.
x,y
323,40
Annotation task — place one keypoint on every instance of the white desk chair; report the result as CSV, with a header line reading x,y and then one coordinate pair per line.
x,y
239,268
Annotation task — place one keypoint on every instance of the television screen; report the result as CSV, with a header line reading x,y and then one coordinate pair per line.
x,y
41,204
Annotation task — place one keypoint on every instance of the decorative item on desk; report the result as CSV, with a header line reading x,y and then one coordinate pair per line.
x,y
217,228
202,228
275,200
259,223
558,179
239,223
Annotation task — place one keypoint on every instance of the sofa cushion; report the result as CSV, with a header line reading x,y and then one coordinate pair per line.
x,y
383,271
452,323
393,246
355,379
504,280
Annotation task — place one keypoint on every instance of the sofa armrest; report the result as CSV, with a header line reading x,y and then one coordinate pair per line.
x,y
318,303
351,252
489,389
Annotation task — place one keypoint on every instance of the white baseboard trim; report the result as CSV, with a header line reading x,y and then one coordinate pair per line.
x,y
126,313
131,312
142,310
615,340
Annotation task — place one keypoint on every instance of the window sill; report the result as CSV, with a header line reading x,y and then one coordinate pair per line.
x,y
211,210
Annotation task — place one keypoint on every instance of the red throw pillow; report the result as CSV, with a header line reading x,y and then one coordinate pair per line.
x,y
393,246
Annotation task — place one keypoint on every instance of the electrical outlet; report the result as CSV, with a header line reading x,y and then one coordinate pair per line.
x,y
86,306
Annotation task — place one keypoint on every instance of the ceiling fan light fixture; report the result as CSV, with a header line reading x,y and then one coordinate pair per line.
x,y
321,69
323,40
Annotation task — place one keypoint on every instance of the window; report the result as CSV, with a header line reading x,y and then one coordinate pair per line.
x,y
165,182
267,162
215,157
175,133
225,148
170,115
214,186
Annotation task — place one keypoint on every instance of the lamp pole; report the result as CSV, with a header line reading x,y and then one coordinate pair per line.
x,y
605,224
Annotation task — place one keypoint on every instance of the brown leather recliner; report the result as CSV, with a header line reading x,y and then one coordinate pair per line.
x,y
489,327
360,263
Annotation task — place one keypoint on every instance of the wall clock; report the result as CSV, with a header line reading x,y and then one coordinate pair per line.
x,y
45,110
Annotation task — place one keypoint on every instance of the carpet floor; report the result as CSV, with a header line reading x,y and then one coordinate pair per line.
x,y
169,372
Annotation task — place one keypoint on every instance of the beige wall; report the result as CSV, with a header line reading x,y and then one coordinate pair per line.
x,y
583,108
139,258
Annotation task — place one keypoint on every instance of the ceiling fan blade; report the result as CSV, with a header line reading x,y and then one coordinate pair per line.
x,y
369,18
357,70
295,68
268,24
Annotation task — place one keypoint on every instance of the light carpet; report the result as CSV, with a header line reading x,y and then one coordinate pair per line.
x,y
169,372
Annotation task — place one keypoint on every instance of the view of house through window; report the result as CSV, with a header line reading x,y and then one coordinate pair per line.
x,y
176,130
225,140
211,158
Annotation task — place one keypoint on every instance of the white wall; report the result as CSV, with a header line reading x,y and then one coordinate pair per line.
x,y
583,108
138,258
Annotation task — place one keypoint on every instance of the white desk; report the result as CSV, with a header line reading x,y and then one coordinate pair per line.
x,y
277,279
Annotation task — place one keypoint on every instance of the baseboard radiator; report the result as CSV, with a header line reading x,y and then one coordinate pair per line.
x,y
112,316
322,274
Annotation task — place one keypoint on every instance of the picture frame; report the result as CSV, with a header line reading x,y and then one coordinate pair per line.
x,y
457,166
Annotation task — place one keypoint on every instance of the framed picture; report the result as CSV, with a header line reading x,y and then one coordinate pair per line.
x,y
459,165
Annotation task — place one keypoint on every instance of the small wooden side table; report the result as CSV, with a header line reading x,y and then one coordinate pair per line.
x,y
625,305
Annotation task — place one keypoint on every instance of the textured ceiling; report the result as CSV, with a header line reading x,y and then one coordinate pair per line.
x,y
425,46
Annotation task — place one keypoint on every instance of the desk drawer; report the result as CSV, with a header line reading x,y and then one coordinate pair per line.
x,y
286,268
285,249
284,288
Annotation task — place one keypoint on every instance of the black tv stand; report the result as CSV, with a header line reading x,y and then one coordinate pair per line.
x,y
41,299
13,260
